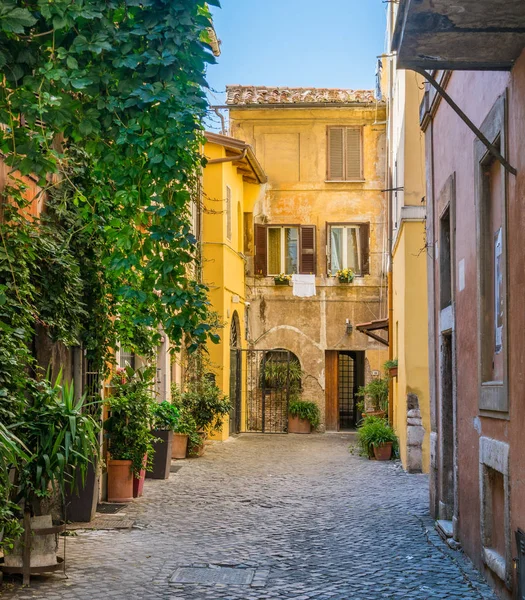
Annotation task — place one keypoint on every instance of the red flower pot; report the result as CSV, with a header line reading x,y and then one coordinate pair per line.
x,y
138,482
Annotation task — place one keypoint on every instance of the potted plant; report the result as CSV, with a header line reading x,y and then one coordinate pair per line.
x,y
206,404
391,367
130,441
375,397
166,417
282,279
185,428
376,438
345,275
58,438
303,416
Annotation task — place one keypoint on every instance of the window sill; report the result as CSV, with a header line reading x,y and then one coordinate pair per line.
x,y
345,180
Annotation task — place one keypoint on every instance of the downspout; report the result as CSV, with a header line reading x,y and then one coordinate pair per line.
x,y
234,158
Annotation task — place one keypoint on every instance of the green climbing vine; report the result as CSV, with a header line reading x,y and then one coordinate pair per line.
x,y
101,105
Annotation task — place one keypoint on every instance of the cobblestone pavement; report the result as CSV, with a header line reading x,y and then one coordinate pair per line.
x,y
312,520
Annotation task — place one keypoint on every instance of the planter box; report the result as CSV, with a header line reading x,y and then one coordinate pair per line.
x,y
179,446
120,481
345,280
81,504
162,457
297,425
383,452
277,282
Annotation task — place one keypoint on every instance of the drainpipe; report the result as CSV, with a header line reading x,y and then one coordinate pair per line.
x,y
236,157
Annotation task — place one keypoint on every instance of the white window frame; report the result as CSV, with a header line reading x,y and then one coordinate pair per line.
x,y
282,245
345,229
229,224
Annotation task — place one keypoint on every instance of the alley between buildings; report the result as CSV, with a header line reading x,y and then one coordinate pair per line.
x,y
285,516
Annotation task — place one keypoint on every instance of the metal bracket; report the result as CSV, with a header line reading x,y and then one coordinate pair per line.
x,y
490,147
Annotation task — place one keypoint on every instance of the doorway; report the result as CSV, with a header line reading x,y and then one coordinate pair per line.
x,y
345,374
235,375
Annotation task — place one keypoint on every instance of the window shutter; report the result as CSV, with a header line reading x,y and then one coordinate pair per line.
x,y
261,251
307,262
364,236
335,154
353,154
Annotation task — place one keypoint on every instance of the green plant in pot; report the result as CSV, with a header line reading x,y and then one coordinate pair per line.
x,y
303,416
390,367
185,430
165,419
59,438
128,430
375,396
377,438
204,401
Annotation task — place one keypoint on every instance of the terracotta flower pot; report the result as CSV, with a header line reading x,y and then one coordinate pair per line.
x,y
392,371
383,451
120,481
298,425
374,413
138,482
179,446
162,456
197,451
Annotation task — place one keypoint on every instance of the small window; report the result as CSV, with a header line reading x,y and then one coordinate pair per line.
x,y
347,247
228,212
285,249
345,154
126,358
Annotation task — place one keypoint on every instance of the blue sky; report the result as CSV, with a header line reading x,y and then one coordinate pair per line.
x,y
297,43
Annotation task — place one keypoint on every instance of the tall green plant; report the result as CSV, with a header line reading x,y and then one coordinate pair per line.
x,y
376,391
131,408
60,437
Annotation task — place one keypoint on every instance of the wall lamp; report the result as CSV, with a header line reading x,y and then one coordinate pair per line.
x,y
349,327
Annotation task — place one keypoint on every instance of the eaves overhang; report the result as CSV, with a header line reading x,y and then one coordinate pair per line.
x,y
247,163
468,35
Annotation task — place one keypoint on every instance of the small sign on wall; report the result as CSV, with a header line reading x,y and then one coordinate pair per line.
x,y
461,275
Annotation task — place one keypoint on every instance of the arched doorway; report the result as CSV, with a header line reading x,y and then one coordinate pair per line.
x,y
235,374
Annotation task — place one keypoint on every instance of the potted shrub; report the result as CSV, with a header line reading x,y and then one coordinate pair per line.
x,y
375,397
130,441
206,404
166,418
391,367
185,428
345,275
282,279
376,438
59,438
303,416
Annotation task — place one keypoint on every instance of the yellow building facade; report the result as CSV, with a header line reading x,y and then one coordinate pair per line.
x,y
322,210
408,298
231,184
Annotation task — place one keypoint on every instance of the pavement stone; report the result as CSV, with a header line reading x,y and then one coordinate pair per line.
x,y
314,520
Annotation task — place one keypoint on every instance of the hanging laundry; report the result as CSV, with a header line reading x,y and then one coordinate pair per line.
x,y
303,285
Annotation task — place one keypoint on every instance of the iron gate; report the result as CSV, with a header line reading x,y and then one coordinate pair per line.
x,y
266,388
235,390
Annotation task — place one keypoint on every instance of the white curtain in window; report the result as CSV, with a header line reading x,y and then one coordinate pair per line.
x,y
336,241
352,234
291,250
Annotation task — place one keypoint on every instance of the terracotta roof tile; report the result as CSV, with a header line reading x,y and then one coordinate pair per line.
x,y
242,95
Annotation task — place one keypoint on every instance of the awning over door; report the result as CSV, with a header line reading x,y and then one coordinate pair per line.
x,y
373,329
459,34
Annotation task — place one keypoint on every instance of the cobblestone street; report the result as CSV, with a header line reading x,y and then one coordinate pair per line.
x,y
302,515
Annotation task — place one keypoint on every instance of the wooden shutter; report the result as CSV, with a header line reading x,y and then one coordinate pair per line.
x,y
336,165
328,248
353,154
307,248
260,263
364,238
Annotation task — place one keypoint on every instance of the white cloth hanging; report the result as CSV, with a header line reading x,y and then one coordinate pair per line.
x,y
303,285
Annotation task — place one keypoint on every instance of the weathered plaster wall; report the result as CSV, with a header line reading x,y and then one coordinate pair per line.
x,y
291,145
476,93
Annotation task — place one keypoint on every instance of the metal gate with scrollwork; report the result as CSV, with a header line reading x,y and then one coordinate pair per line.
x,y
266,389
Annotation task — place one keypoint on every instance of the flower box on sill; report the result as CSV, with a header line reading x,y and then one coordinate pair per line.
x,y
282,279
345,275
